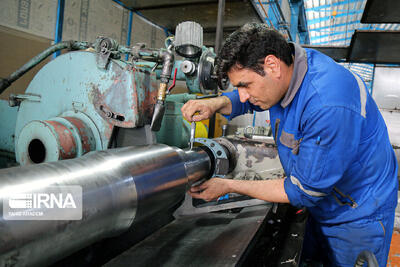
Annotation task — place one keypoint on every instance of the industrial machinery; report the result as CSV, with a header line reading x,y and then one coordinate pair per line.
x,y
120,191
90,121
78,100
119,188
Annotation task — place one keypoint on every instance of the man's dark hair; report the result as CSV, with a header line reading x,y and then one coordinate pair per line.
x,y
248,46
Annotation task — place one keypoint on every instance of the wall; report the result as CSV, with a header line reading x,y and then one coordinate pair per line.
x,y
386,87
15,52
386,95
34,17
27,27
84,20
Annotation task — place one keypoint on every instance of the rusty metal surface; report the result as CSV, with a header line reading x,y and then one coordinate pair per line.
x,y
85,134
130,99
56,139
65,139
73,86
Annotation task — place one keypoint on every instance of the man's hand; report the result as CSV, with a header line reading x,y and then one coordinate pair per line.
x,y
211,189
206,108
268,190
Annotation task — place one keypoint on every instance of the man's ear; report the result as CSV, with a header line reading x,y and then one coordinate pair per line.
x,y
272,66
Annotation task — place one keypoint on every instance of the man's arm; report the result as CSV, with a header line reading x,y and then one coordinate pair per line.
x,y
206,108
268,190
227,104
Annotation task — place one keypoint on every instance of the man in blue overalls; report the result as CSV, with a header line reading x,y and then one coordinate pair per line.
x,y
332,142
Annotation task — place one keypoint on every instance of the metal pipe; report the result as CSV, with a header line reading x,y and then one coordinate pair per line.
x,y
71,45
167,57
59,24
119,187
220,26
129,34
218,43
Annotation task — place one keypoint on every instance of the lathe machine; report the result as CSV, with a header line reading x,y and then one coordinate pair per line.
x,y
95,165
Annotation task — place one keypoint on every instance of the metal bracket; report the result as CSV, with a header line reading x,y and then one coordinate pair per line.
x,y
109,114
135,50
105,47
15,100
220,156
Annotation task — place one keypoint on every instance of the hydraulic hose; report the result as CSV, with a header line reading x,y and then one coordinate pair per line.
x,y
71,45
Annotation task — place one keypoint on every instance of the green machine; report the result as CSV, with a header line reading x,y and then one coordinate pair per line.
x,y
92,99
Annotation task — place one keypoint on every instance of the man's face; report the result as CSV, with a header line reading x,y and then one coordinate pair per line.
x,y
263,91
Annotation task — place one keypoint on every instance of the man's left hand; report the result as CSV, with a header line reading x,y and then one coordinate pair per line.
x,y
211,189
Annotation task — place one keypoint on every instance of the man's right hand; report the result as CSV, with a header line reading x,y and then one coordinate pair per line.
x,y
206,108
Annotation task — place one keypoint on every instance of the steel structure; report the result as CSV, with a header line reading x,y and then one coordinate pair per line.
x,y
287,16
333,22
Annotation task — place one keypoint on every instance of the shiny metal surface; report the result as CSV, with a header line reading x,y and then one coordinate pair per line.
x,y
119,187
213,239
197,165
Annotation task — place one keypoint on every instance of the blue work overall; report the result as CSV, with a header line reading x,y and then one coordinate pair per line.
x,y
335,150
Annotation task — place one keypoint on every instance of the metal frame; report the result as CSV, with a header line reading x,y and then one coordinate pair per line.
x,y
59,25
167,32
129,33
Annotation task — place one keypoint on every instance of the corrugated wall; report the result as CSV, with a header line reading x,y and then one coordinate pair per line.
x,y
84,20
32,23
30,16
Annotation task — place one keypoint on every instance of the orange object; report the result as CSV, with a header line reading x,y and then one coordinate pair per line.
x,y
394,253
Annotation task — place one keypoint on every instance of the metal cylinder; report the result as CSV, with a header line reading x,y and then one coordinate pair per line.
x,y
188,39
197,164
119,187
55,139
188,67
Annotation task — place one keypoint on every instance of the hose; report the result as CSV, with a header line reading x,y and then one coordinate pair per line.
x,y
71,45
366,256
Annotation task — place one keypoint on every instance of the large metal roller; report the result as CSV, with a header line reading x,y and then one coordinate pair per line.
x,y
119,187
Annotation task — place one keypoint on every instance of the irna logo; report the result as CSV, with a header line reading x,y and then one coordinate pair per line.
x,y
42,200
50,203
